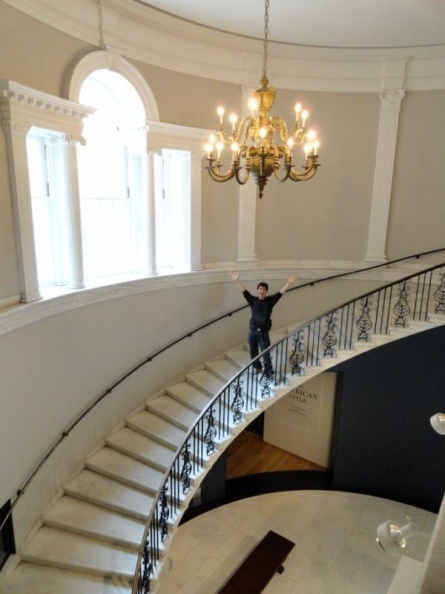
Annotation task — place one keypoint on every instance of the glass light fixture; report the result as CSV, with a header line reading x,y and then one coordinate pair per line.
x,y
393,538
438,423
261,144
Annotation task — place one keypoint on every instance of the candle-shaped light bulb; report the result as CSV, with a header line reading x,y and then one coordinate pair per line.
x,y
307,148
304,116
316,145
263,132
220,112
235,147
208,148
311,135
212,139
233,119
297,111
290,143
219,147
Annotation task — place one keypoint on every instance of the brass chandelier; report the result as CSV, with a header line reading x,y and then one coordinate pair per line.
x,y
261,144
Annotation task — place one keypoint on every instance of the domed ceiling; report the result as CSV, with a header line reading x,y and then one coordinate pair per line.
x,y
323,23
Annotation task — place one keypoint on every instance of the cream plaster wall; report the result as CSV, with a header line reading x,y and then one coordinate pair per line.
x,y
34,54
329,216
189,100
417,215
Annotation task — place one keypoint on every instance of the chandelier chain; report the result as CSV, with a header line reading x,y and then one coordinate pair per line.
x,y
266,33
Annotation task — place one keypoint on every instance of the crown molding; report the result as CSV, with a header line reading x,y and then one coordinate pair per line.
x,y
139,32
21,103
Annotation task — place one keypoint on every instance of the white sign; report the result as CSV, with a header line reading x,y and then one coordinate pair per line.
x,y
301,422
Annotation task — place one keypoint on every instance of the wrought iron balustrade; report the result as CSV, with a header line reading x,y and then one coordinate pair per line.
x,y
377,313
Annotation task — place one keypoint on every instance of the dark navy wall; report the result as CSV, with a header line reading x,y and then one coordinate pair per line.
x,y
385,445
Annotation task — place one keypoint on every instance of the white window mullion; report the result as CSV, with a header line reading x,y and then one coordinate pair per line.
x,y
57,208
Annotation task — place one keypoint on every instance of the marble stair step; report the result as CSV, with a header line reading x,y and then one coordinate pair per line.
x,y
141,448
189,395
345,354
420,325
223,368
381,339
101,490
94,521
59,548
400,332
32,578
438,319
362,346
121,467
205,381
173,411
157,428
239,357
328,362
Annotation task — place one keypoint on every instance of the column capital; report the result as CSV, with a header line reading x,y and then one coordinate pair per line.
x,y
15,126
391,100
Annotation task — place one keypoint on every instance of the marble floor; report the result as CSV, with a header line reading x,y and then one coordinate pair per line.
x,y
334,534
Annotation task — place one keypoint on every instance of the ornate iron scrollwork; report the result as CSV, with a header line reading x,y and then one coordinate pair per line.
x,y
165,513
297,356
147,570
210,434
402,309
238,401
266,381
329,339
186,467
439,295
364,322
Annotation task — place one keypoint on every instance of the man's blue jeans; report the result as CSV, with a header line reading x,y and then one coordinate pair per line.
x,y
259,341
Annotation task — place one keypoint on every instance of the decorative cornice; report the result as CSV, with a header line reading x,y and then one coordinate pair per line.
x,y
179,137
143,33
20,98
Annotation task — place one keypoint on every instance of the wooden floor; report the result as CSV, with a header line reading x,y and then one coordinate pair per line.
x,y
249,454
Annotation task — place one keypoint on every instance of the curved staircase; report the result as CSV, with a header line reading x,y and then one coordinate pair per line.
x,y
89,539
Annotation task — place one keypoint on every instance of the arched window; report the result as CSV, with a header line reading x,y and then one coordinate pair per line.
x,y
127,202
110,164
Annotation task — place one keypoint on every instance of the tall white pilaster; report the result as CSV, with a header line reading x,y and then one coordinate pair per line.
x,y
65,158
383,176
21,197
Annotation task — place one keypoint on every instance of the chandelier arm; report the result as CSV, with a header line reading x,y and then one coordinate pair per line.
x,y
214,172
241,135
240,179
243,130
285,177
309,171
